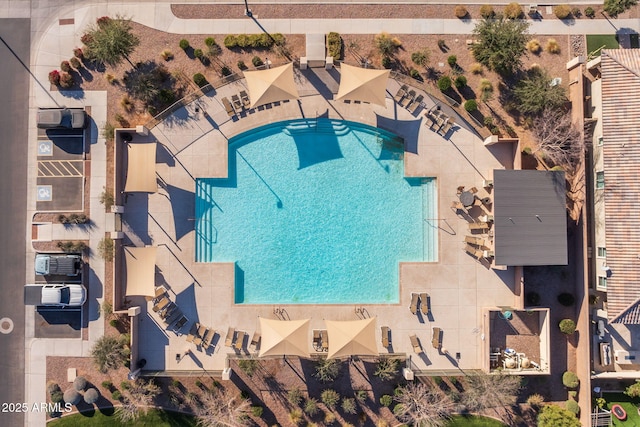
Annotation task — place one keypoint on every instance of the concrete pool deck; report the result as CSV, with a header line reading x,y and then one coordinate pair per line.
x,y
196,146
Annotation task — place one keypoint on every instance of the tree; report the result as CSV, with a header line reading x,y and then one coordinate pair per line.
x,y
534,93
386,368
110,41
555,416
501,44
109,353
558,138
633,390
91,396
616,7
423,406
486,391
327,370
221,407
570,379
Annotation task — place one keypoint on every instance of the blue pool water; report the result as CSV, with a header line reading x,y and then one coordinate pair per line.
x,y
316,212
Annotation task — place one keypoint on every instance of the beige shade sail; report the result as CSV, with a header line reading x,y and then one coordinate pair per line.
x,y
141,168
141,270
284,337
352,338
271,85
361,84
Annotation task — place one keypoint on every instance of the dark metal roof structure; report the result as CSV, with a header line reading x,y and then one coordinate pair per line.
x,y
530,217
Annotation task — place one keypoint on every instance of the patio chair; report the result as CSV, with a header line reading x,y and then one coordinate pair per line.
x,y
239,340
173,315
230,336
237,104
474,190
385,336
414,303
160,292
483,226
457,206
325,341
245,99
474,251
227,106
446,127
317,340
401,93
460,190
415,343
208,337
488,254
473,240
486,218
192,332
255,340
164,301
409,99
415,104
435,341
425,303
179,324
168,310
201,331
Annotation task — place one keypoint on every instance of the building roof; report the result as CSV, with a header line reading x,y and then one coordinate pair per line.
x,y
620,71
530,217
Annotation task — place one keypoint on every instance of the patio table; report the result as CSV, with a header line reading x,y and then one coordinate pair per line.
x,y
467,198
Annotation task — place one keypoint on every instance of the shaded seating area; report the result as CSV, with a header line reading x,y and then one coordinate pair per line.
x,y
364,85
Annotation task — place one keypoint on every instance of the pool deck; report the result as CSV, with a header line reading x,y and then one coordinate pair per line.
x,y
196,146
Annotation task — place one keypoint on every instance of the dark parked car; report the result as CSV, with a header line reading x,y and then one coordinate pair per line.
x,y
62,118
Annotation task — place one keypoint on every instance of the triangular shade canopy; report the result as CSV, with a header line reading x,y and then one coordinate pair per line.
x,y
352,338
271,85
284,337
361,84
141,168
141,270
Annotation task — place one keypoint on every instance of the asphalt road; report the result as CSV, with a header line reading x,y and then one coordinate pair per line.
x,y
14,112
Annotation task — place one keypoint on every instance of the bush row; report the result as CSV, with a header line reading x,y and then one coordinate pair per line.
x,y
255,41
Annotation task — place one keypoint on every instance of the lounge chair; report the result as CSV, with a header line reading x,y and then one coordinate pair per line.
x,y
446,127
486,218
457,206
208,337
230,336
385,336
180,323
239,340
160,292
245,99
435,341
409,99
473,240
227,106
414,303
174,315
401,93
460,190
255,340
488,254
164,301
201,332
478,226
415,104
168,310
425,303
417,348
325,341
237,104
474,251
192,332
317,340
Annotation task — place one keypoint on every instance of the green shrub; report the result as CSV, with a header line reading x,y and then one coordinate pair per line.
x,y
444,83
562,11
442,44
257,61
386,62
600,402
589,12
420,57
210,41
198,53
230,41
349,405
75,63
486,11
461,12
184,44
327,370
567,326
471,105
311,406
572,406
460,82
116,395
361,395
294,396
256,411
535,400
566,299
330,398
107,384
415,74
200,79
386,400
57,396
452,60
513,11
570,379
616,7
225,71
575,11
334,42
199,385
242,40
633,390
241,65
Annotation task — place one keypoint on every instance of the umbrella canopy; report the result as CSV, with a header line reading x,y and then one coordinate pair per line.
x,y
352,338
140,263
361,84
284,337
271,85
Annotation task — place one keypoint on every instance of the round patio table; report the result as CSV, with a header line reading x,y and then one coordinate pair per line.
x,y
467,198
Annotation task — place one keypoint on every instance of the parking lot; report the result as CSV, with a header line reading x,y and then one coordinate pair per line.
x,y
61,157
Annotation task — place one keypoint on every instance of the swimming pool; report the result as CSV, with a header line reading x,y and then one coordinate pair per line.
x,y
316,212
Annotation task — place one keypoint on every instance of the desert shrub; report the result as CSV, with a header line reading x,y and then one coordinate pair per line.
x,y
616,7
562,11
566,299
230,41
66,80
72,396
80,383
513,11
116,395
386,400
386,62
535,400
589,12
572,406
420,57
534,46
198,53
106,248
184,44
460,82
330,398
311,406
110,78
91,396
575,11
444,83
65,66
442,44
361,395
387,45
486,11
552,46
349,405
329,418
57,396
570,379
415,74
452,60
200,79
633,390
488,121
166,54
334,42
125,385
54,77
327,370
294,396
210,41
476,68
241,65
461,11
75,63
471,105
386,368
107,384
126,103
257,61
256,411
567,326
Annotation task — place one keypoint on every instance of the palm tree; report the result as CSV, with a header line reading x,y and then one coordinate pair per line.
x,y
423,406
110,41
223,408
109,353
